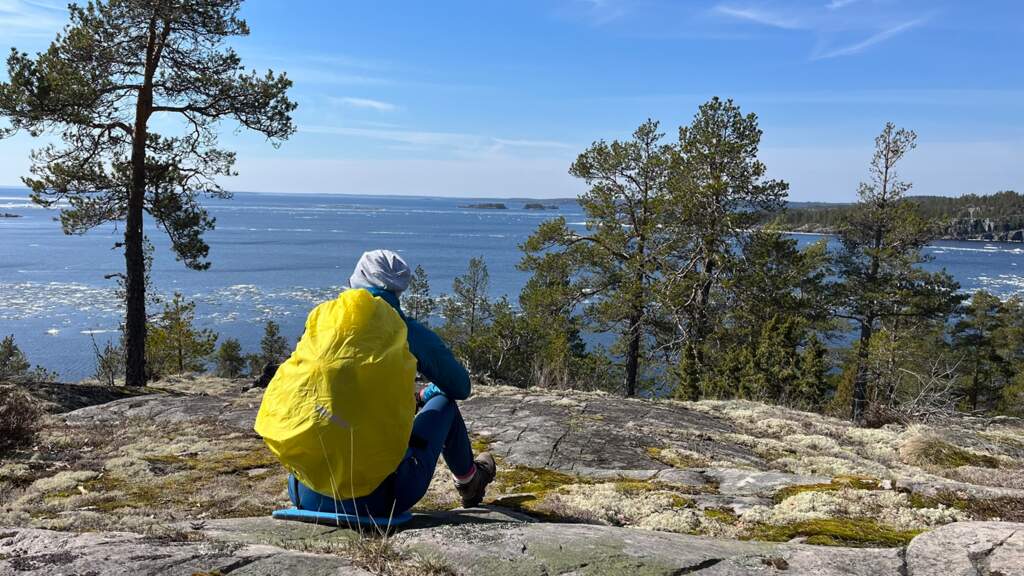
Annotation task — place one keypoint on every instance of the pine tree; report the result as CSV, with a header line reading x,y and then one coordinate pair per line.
x,y
690,384
417,303
13,363
718,193
878,262
118,68
812,387
985,338
467,309
274,348
614,261
231,362
770,301
175,345
776,360
549,301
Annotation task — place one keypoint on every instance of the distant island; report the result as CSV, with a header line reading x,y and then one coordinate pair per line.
x,y
539,206
486,206
995,217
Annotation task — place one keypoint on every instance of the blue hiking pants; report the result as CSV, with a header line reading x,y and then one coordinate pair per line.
x,y
438,429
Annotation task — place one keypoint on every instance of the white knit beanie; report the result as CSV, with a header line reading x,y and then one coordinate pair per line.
x,y
381,269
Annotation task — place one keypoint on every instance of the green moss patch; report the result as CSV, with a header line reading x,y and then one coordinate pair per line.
x,y
481,444
837,483
835,532
723,515
534,480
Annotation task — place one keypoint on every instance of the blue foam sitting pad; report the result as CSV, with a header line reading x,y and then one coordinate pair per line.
x,y
333,519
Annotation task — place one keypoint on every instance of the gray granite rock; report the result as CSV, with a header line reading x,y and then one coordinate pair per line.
x,y
238,413
540,431
472,542
562,432
761,483
542,549
968,549
24,552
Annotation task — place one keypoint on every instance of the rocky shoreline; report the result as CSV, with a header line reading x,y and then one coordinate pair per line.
x,y
1012,237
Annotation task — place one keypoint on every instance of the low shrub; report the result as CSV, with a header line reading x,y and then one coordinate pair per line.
x,y
20,418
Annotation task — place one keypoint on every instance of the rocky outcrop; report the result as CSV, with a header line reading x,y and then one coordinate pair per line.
x,y
542,549
25,552
482,542
175,480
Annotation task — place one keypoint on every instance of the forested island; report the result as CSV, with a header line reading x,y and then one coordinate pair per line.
x,y
486,206
993,217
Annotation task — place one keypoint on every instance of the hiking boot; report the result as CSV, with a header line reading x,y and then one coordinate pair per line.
x,y
472,492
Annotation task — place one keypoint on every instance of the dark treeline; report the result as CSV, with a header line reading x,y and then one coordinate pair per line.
x,y
696,301
998,216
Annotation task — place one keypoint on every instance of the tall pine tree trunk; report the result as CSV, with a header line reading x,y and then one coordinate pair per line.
x,y
700,328
135,286
860,380
633,351
867,328
135,264
134,257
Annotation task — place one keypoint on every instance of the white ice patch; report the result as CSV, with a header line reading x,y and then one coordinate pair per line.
x,y
19,300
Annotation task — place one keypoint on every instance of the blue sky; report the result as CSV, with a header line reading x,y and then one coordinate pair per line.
x,y
497,98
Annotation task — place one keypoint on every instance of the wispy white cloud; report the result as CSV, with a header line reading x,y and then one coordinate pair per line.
x,y
828,25
366,103
870,41
760,16
22,18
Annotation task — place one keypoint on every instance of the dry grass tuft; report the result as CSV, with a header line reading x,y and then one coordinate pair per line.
x,y
380,556
926,451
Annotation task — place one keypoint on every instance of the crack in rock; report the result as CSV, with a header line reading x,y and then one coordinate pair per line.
x,y
696,567
241,563
554,447
980,560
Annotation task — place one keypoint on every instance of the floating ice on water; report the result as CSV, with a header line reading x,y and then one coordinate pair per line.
x,y
20,300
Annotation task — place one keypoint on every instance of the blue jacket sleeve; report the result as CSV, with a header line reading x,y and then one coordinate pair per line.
x,y
437,363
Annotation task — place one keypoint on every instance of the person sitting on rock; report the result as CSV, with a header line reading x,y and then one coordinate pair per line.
x,y
437,429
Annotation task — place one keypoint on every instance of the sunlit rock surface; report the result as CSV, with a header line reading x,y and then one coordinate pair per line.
x,y
172,479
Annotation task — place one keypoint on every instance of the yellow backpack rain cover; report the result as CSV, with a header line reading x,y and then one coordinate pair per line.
x,y
338,413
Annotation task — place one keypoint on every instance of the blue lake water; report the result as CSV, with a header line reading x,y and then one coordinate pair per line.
x,y
276,255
